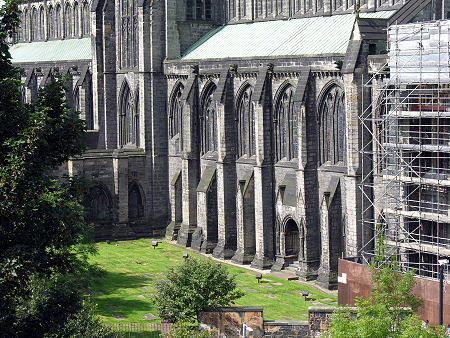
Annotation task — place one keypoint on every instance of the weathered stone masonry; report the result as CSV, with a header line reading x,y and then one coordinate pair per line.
x,y
250,156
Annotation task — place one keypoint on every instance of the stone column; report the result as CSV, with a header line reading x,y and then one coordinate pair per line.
x,y
109,89
226,167
190,160
353,97
263,172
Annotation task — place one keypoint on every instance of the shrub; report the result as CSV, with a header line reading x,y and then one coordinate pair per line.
x,y
192,287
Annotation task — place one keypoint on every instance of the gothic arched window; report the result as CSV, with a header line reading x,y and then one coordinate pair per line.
x,y
98,205
259,10
199,9
190,9
208,121
232,9
134,35
41,23
175,114
285,126
76,20
128,118
129,34
332,126
50,23
337,4
58,25
279,6
243,12
208,10
85,20
25,25
245,120
34,25
68,20
135,205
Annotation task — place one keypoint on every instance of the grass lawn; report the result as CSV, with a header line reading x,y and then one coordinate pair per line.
x,y
129,269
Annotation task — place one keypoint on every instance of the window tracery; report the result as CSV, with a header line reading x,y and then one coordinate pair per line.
x,y
285,126
68,20
25,25
332,126
76,20
208,121
41,27
50,22
34,24
128,118
58,23
129,34
85,20
98,205
202,9
245,120
135,205
175,114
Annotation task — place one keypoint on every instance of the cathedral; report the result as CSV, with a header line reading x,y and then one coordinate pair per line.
x,y
229,126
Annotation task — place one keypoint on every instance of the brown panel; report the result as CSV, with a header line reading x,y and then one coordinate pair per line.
x,y
359,284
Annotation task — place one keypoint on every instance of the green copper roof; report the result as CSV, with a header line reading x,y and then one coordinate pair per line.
x,y
55,50
296,37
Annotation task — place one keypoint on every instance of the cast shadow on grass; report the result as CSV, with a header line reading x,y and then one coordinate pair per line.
x,y
124,307
109,282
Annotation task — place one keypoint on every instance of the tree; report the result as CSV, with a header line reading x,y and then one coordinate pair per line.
x,y
389,311
192,287
43,236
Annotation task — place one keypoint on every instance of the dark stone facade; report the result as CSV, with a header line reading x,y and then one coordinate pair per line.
x,y
250,159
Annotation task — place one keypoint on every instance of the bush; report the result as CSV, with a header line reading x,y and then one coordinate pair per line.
x,y
192,287
185,330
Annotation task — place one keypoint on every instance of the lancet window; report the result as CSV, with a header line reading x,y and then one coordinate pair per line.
x,y
50,23
128,118
34,25
129,34
135,205
85,20
58,25
200,9
41,27
76,20
332,126
285,126
98,205
25,25
175,115
208,121
245,121
68,20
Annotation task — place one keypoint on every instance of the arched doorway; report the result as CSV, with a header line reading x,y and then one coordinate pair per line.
x,y
292,239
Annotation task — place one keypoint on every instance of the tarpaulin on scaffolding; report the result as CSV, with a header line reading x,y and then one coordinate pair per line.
x,y
420,52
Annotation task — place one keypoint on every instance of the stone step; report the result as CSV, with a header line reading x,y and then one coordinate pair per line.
x,y
291,268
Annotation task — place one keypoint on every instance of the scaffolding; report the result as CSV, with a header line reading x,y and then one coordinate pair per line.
x,y
406,149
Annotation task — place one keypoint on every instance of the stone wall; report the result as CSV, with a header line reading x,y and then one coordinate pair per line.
x,y
319,320
228,322
286,329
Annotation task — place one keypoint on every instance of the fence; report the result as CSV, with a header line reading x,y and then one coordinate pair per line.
x,y
133,330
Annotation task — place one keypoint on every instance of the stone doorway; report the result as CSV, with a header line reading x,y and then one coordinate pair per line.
x,y
292,239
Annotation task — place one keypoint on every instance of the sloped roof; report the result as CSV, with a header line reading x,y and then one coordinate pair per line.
x,y
295,37
55,50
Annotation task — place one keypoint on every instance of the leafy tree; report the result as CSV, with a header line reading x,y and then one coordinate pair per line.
x,y
43,237
192,287
389,311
